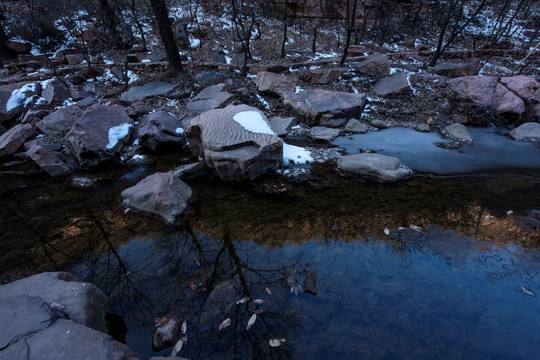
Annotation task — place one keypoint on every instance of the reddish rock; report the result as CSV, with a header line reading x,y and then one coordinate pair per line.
x,y
325,76
453,70
48,161
56,92
275,84
60,121
376,65
12,140
392,85
20,47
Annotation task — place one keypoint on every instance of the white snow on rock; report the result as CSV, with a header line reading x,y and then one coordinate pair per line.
x,y
117,133
179,130
296,154
254,122
18,96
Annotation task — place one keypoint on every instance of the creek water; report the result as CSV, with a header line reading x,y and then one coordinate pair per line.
x,y
432,267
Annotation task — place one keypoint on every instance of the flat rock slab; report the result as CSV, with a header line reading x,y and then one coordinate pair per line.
x,y
83,302
67,340
325,76
48,161
374,166
99,134
60,122
56,92
321,133
458,132
12,139
282,126
237,152
161,194
452,70
157,88
275,84
392,85
526,132
356,127
378,64
313,104
210,98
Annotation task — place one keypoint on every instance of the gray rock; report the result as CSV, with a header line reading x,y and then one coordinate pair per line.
x,y
86,102
210,98
334,122
275,84
392,85
56,92
167,358
313,104
325,76
48,161
158,88
282,126
452,70
162,131
458,132
74,59
32,117
234,152
355,126
97,135
321,133
182,35
374,166
22,315
84,303
217,56
82,95
379,124
310,282
191,170
12,140
526,132
161,194
166,334
376,65
66,340
6,92
60,122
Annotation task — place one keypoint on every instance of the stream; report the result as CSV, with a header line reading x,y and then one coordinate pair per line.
x,y
436,266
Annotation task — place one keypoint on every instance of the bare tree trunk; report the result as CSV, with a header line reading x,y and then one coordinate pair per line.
x,y
159,8
350,24
317,27
285,18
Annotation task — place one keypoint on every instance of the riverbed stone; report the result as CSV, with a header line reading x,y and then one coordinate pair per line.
x,y
161,194
392,85
48,161
12,140
458,132
158,88
162,131
310,283
356,127
282,126
67,340
231,150
60,122
379,124
374,166
314,104
210,98
454,70
321,133
378,64
326,75
275,84
56,92
84,303
99,134
166,333
526,132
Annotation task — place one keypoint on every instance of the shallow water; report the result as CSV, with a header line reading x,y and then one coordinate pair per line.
x,y
454,285
490,150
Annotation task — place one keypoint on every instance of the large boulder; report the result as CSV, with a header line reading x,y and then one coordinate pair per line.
x,y
315,104
210,98
454,70
374,166
99,134
12,140
161,194
392,85
527,88
275,84
56,92
324,134
60,121
526,132
237,142
12,99
376,65
162,131
20,47
84,303
48,160
66,340
159,88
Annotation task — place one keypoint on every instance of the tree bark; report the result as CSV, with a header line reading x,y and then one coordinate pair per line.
x,y
159,8
351,23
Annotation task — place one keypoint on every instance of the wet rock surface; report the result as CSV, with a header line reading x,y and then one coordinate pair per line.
x,y
458,132
374,166
166,333
526,132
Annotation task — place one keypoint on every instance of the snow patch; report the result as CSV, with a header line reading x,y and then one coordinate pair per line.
x,y
263,101
179,130
117,133
296,154
254,122
18,96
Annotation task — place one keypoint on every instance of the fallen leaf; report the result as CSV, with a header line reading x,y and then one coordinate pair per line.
x,y
242,300
259,311
527,291
178,346
386,231
225,323
251,321
258,301
415,228
184,327
193,286
296,289
268,291
276,342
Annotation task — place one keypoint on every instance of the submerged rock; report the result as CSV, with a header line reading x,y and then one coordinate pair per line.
x,y
237,142
374,166
161,194
310,282
526,132
458,132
